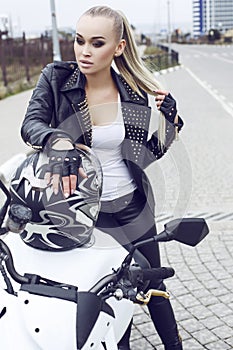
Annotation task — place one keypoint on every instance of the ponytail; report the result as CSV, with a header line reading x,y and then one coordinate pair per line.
x,y
134,71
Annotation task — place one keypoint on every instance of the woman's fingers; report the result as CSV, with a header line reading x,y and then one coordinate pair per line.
x,y
82,172
55,183
47,178
66,186
73,183
69,183
161,92
160,96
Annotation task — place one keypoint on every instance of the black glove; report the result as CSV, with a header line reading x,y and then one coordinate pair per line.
x,y
64,159
168,108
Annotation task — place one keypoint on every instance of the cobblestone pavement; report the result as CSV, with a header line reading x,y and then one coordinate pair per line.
x,y
193,179
201,293
201,290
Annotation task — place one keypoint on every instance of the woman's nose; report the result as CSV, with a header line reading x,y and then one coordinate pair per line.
x,y
86,51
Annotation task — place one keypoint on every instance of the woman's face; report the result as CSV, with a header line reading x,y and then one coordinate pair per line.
x,y
95,44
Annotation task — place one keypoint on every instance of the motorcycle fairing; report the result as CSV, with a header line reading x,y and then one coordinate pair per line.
x,y
48,288
49,322
88,311
12,331
72,268
47,310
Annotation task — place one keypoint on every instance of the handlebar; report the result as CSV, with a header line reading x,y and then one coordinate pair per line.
x,y
103,282
159,273
4,208
10,264
134,275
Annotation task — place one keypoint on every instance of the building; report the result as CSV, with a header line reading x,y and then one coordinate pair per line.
x,y
212,14
4,23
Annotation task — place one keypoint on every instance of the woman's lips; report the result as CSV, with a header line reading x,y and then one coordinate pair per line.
x,y
85,64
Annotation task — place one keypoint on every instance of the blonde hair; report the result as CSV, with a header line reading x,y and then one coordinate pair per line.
x,y
129,63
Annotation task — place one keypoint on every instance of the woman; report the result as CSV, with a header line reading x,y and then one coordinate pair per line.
x,y
89,102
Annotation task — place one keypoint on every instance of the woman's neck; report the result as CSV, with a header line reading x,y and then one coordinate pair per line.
x,y
99,80
102,98
100,89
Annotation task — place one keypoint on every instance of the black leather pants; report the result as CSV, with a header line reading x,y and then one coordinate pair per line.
x,y
129,219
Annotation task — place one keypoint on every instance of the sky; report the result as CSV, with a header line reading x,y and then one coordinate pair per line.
x,y
35,16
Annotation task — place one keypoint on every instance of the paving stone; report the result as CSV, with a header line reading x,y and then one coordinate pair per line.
x,y
212,322
222,332
205,336
220,309
218,345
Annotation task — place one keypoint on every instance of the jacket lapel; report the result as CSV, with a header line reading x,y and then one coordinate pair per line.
x,y
136,113
74,91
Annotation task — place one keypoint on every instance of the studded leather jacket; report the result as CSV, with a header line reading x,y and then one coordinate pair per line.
x,y
58,105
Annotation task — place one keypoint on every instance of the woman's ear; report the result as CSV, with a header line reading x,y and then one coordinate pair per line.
x,y
120,48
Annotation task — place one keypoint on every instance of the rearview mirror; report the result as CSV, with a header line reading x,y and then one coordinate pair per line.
x,y
190,231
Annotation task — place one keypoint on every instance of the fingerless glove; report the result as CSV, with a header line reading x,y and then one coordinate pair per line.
x,y
64,159
168,108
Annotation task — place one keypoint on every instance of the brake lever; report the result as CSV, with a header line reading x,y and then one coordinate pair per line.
x,y
145,298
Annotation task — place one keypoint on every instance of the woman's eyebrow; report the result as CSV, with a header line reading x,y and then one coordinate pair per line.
x,y
93,37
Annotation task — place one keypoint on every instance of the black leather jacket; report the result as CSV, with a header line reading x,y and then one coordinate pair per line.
x,y
59,105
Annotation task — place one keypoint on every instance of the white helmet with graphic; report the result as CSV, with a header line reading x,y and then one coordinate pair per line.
x,y
58,223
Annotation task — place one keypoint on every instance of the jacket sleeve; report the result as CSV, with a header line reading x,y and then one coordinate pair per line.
x,y
36,129
154,147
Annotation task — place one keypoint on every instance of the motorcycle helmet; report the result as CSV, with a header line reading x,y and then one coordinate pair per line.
x,y
58,223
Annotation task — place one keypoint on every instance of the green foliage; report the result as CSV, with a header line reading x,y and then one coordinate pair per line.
x,y
156,58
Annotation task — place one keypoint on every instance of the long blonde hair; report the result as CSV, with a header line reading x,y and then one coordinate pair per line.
x,y
129,63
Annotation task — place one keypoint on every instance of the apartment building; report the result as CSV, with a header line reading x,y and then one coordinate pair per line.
x,y
212,14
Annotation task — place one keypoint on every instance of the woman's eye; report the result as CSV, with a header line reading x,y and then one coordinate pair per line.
x,y
98,43
79,41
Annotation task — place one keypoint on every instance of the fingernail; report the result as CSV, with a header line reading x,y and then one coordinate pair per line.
x,y
55,191
66,195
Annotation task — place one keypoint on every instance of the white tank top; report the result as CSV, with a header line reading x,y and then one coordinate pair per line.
x,y
107,140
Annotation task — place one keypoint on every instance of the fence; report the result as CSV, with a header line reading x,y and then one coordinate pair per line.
x,y
161,61
22,59
161,58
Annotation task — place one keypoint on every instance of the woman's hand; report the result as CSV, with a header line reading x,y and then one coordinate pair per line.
x,y
166,104
64,167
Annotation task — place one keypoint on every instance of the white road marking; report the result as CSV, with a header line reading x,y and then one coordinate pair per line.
x,y
217,97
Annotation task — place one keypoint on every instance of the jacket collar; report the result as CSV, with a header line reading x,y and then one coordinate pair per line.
x,y
126,92
76,81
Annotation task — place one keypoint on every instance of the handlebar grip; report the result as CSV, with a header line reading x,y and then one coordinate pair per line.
x,y
158,273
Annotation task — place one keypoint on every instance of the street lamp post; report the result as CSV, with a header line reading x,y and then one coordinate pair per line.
x,y
168,27
169,33
56,46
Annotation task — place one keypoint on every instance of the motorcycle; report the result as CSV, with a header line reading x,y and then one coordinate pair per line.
x,y
79,299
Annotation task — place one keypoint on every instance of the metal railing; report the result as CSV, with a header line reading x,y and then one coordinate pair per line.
x,y
157,62
24,58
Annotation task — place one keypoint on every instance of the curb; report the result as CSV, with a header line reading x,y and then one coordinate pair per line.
x,y
168,70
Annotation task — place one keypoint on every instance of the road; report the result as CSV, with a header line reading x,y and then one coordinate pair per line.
x,y
203,89
194,179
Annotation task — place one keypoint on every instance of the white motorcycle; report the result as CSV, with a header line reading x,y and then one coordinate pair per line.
x,y
79,299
